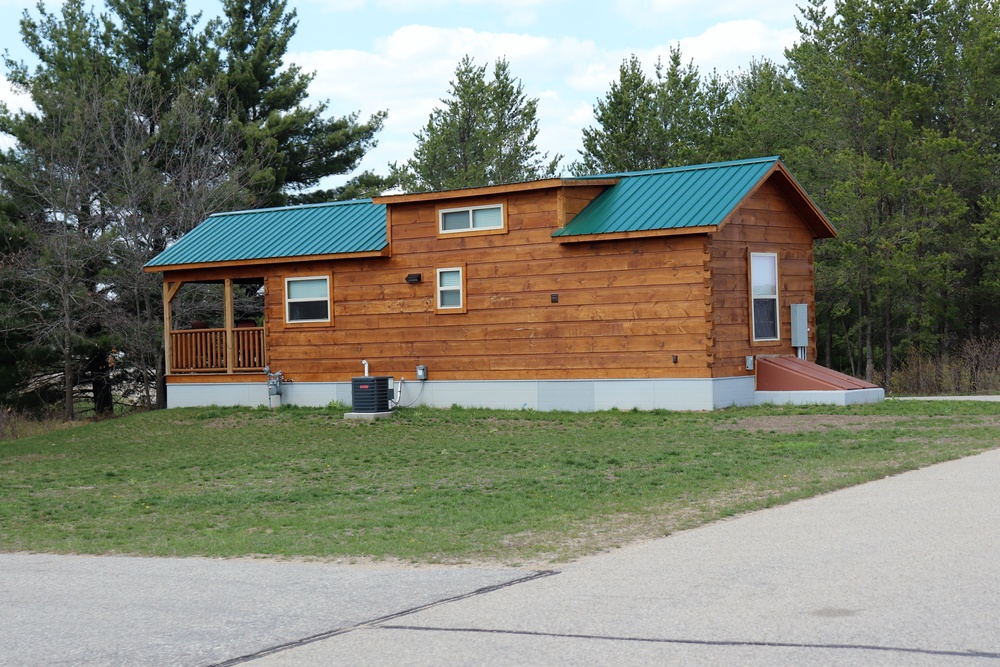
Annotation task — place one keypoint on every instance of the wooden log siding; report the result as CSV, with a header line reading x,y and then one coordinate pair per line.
x,y
625,307
765,223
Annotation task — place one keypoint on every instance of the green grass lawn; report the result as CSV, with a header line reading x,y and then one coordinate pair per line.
x,y
455,485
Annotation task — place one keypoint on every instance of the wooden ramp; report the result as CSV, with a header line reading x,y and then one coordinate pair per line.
x,y
794,374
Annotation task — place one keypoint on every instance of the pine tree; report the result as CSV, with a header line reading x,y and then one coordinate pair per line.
x,y
484,134
297,144
626,117
878,88
157,41
645,123
682,129
754,118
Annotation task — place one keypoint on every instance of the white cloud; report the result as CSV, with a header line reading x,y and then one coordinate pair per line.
x,y
733,44
408,71
14,100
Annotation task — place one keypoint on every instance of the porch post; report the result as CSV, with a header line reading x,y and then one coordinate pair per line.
x,y
169,292
230,323
167,326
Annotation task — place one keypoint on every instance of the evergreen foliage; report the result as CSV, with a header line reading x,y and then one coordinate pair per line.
x,y
888,113
296,144
484,134
143,125
644,123
883,96
624,139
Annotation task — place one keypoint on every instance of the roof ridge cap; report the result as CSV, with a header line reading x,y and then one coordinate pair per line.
x,y
689,167
291,207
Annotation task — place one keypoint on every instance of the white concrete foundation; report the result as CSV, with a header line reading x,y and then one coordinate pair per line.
x,y
250,394
847,397
543,395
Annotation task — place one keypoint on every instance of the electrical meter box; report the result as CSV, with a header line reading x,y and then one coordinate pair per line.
x,y
800,325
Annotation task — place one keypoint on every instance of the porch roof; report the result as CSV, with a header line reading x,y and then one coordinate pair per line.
x,y
334,228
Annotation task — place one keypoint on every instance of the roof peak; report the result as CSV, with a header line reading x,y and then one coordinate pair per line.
x,y
689,167
325,204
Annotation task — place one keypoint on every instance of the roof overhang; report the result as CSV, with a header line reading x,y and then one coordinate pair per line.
x,y
267,261
644,234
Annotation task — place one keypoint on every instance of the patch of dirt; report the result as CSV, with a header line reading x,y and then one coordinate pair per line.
x,y
852,423
799,423
604,534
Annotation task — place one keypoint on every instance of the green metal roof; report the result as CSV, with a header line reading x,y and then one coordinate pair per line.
x,y
293,231
678,198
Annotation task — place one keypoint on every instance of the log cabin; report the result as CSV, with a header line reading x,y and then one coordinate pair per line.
x,y
682,288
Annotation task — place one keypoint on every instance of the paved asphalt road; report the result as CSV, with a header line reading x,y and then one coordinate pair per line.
x,y
903,571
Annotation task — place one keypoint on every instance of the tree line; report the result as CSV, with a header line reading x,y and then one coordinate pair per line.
x,y
144,124
888,113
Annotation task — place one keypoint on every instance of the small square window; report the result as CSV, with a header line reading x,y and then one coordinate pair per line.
x,y
307,299
473,218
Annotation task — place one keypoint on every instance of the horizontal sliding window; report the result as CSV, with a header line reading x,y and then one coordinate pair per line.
x,y
307,299
473,218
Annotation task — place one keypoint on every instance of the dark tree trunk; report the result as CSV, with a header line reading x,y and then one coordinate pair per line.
x,y
888,346
98,370
161,380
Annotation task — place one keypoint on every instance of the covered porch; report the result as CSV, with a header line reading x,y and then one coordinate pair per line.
x,y
208,337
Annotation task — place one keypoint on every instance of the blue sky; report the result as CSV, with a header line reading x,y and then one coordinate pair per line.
x,y
399,55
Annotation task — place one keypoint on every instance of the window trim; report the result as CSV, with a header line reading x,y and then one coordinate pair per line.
x,y
776,298
500,229
462,295
289,301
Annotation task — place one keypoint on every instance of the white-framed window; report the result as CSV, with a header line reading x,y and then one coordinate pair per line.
x,y
764,295
470,219
307,299
451,289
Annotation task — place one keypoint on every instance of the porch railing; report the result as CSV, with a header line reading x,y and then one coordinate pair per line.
x,y
206,351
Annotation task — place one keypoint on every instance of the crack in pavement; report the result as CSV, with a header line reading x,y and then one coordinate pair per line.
x,y
376,622
700,642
